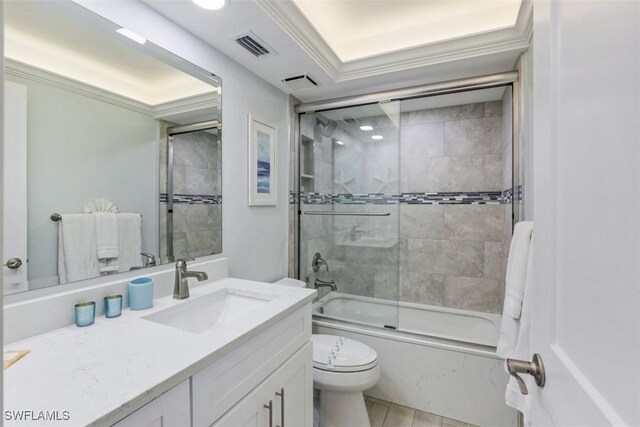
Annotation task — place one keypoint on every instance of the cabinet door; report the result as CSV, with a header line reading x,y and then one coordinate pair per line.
x,y
172,409
295,377
292,390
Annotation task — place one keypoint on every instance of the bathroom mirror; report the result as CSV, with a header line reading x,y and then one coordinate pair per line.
x,y
112,150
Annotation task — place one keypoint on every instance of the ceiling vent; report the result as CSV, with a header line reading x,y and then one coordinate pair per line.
x,y
300,82
254,45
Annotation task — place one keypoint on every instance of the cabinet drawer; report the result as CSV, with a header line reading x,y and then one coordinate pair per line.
x,y
218,387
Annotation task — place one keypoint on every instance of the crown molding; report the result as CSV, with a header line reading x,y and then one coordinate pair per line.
x,y
186,105
38,75
295,24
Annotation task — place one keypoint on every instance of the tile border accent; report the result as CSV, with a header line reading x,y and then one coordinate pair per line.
x,y
443,198
192,199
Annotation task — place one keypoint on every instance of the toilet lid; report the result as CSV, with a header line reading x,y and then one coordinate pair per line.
x,y
335,353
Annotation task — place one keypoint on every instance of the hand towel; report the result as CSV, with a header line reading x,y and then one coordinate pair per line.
x,y
515,287
522,350
106,235
517,267
77,258
129,240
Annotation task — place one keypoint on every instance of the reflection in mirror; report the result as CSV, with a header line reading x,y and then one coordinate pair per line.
x,y
113,150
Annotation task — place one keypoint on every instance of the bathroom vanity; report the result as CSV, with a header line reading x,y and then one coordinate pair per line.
x,y
236,352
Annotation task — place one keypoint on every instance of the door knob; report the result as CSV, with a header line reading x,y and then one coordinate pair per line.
x,y
534,368
13,263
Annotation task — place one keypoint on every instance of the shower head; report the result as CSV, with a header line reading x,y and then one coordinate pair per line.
x,y
327,128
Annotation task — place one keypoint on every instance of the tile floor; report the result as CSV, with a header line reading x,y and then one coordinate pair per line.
x,y
386,414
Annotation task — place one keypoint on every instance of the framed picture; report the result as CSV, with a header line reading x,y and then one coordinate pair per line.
x,y
262,163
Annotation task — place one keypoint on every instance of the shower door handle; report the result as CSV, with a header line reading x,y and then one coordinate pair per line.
x,y
535,368
270,408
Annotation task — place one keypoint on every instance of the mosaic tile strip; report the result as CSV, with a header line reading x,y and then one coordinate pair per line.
x,y
192,199
444,198
508,195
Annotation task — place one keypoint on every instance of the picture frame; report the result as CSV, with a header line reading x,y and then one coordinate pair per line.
x,y
262,163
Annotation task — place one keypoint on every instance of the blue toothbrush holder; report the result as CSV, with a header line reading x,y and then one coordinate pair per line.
x,y
85,313
141,293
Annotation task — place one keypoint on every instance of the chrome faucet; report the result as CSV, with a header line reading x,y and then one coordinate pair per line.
x,y
355,232
323,283
181,287
318,262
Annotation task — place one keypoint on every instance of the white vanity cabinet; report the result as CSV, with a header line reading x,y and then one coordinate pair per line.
x,y
172,409
279,357
275,366
284,399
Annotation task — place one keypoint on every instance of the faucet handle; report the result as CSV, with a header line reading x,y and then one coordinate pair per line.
x,y
182,263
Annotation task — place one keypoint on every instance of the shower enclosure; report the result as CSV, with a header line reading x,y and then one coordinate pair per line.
x,y
191,223
410,204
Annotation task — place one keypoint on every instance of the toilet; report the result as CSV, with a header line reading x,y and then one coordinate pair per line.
x,y
342,369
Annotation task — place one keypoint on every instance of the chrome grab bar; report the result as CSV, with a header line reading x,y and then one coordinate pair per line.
x,y
347,213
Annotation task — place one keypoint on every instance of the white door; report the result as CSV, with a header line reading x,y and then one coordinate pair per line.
x,y
15,189
586,321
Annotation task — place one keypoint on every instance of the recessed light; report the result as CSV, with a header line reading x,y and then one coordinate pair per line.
x,y
366,127
133,36
376,137
339,142
211,4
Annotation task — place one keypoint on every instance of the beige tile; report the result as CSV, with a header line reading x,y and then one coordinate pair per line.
x,y
461,258
494,261
458,112
423,288
464,173
472,137
474,222
493,172
422,221
493,108
448,422
377,411
380,401
422,141
473,293
399,416
425,419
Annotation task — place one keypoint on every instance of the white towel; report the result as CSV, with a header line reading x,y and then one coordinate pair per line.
x,y
106,235
99,205
517,268
522,350
515,287
77,248
129,240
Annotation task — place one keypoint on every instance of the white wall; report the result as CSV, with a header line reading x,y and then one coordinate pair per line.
x,y
80,149
254,239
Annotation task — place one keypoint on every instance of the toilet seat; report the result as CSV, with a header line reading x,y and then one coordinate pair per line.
x,y
339,354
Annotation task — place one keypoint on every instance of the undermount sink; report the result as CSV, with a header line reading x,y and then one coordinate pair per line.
x,y
209,311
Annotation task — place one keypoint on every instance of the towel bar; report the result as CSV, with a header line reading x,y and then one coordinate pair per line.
x,y
55,217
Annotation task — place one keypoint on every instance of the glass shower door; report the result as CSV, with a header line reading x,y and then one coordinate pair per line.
x,y
349,229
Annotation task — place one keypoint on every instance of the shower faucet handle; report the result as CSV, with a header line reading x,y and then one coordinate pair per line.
x,y
535,368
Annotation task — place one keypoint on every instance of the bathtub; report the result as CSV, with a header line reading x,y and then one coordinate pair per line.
x,y
431,358
448,323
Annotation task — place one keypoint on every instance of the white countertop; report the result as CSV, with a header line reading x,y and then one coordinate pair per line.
x,y
106,371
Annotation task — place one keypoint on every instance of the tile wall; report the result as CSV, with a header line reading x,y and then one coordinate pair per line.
x,y
444,249
197,226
